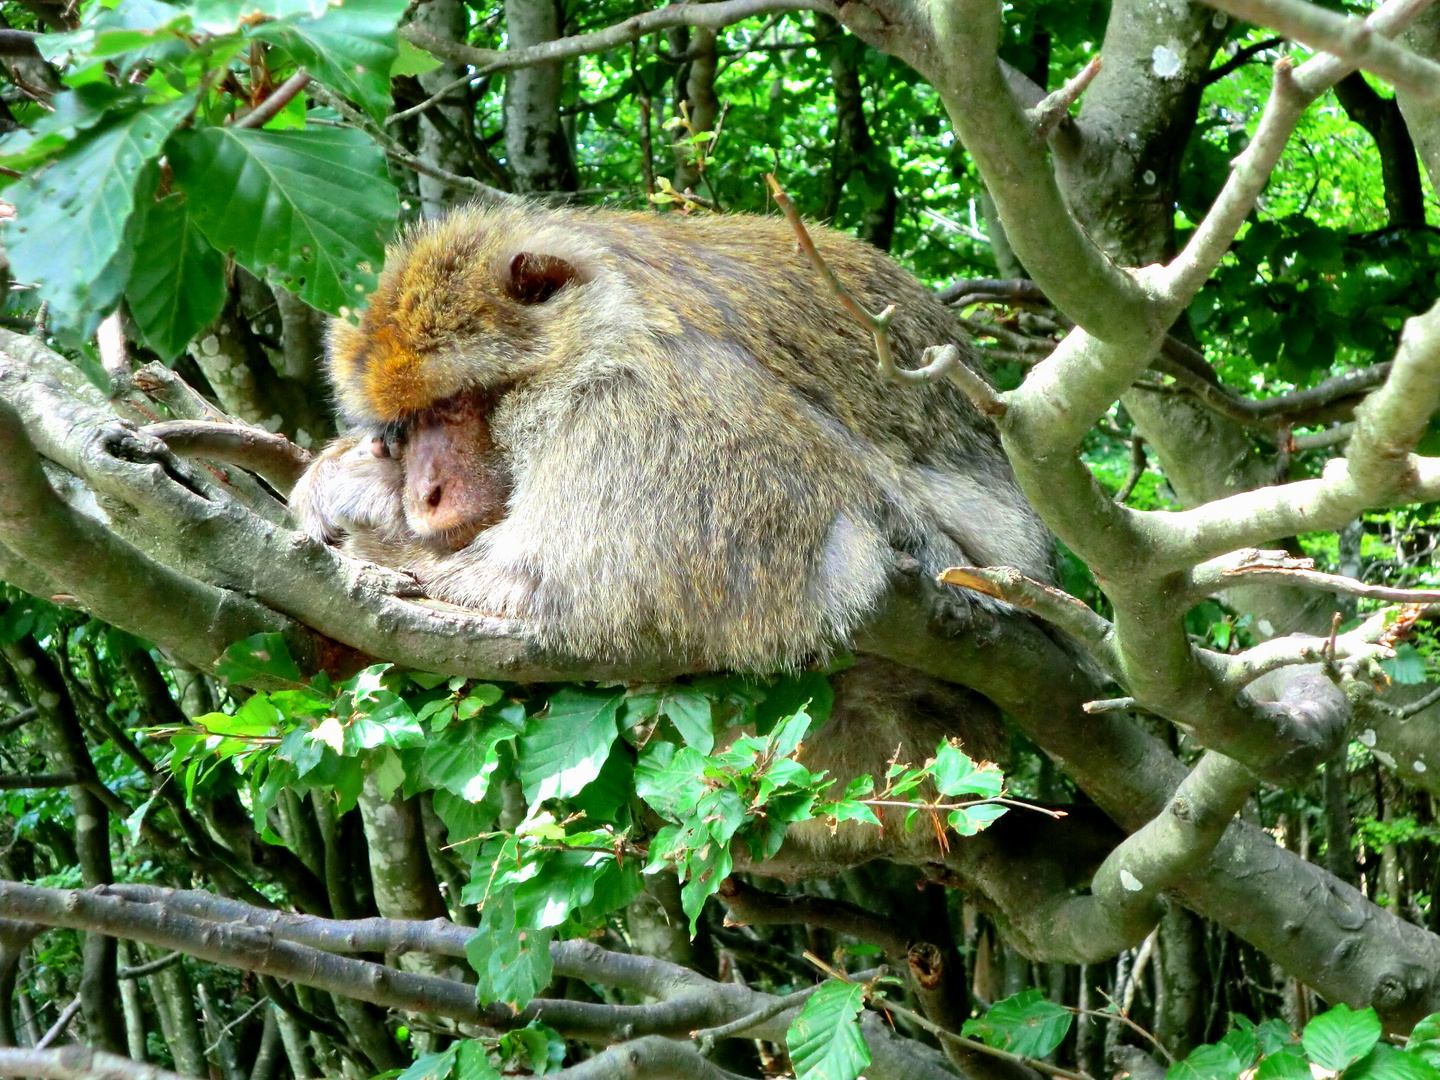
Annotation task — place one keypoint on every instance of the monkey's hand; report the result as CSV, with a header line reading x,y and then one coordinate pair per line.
x,y
354,487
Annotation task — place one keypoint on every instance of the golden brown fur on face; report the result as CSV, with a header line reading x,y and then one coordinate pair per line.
x,y
702,457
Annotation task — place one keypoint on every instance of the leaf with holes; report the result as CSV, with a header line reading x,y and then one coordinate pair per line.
x,y
1026,1023
352,48
310,210
177,283
70,216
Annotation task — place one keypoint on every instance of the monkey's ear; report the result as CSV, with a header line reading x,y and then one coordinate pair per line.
x,y
533,278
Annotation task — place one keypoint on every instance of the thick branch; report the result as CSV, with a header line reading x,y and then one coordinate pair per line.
x,y
77,1063
955,46
1350,39
109,578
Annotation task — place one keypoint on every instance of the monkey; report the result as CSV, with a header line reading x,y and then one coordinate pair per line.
x,y
655,435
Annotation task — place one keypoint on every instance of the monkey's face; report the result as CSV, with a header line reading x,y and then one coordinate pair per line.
x,y
455,481
463,304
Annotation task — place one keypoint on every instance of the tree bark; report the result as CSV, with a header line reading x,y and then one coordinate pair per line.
x,y
536,148
43,684
437,142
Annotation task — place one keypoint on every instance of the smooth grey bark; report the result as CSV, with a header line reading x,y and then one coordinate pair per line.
x,y
695,86
266,1065
1136,118
219,1041
1422,118
175,1003
536,149
130,999
1180,982
296,1052
438,145
400,870
854,149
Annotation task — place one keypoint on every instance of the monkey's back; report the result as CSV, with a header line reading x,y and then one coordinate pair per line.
x,y
706,458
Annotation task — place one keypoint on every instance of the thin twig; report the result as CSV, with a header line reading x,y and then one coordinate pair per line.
x,y
1404,712
58,1028
1336,583
220,1035
1104,705
1348,38
938,360
1137,468
979,1047
281,96
706,1038
398,153
1045,117
434,99
139,971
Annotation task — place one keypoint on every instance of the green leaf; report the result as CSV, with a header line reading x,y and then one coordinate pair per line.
x,y
1424,1040
1207,1063
955,774
177,282
564,749
969,820
1289,1064
136,821
1338,1038
224,16
671,781
1387,1063
311,210
1243,1043
412,61
70,216
825,1041
1026,1023
432,1066
261,655
352,48
791,693
534,1047
1408,666
691,714
513,963
256,717
473,1062
462,758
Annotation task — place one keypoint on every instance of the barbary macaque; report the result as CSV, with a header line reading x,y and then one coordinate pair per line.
x,y
648,434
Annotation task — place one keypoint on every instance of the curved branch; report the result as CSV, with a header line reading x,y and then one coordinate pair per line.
x,y
1348,38
111,579
269,455
955,46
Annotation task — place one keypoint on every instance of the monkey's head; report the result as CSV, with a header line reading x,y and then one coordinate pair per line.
x,y
465,310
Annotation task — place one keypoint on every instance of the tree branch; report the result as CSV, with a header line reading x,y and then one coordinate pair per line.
x,y
77,1063
1350,39
271,456
111,579
714,16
